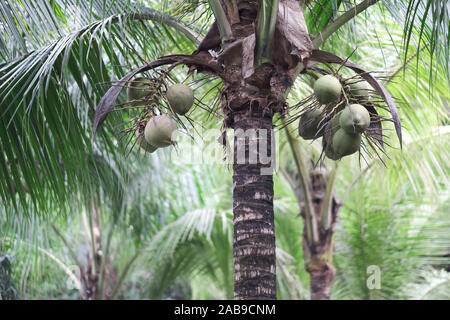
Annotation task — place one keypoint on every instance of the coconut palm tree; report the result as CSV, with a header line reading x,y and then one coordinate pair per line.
x,y
255,48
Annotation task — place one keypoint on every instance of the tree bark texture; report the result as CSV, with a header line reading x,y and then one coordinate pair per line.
x,y
253,93
254,227
320,281
319,253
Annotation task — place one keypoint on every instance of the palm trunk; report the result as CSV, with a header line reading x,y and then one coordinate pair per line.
x,y
319,253
320,281
254,229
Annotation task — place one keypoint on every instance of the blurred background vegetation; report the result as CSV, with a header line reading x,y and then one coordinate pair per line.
x,y
95,222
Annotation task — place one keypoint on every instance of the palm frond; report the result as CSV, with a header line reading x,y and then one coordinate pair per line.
x,y
425,24
434,285
320,13
400,240
40,118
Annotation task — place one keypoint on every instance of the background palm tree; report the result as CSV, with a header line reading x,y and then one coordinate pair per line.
x,y
37,86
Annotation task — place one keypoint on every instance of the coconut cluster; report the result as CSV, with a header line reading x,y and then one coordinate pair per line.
x,y
341,130
179,96
343,136
161,130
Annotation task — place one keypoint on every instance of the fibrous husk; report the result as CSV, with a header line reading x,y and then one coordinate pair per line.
x,y
327,89
180,97
310,124
354,119
137,89
344,143
160,131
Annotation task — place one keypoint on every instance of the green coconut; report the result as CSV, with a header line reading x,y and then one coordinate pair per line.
x,y
327,89
359,89
332,126
330,153
137,89
143,144
355,119
160,131
344,143
309,124
327,141
181,98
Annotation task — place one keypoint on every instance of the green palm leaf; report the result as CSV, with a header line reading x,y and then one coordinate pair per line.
x,y
40,120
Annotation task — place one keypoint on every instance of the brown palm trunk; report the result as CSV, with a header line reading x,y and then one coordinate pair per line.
x,y
319,254
254,229
321,279
254,90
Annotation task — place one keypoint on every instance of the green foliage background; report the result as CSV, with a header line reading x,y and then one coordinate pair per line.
x,y
166,226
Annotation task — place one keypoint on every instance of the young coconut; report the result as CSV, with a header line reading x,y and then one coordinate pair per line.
x,y
181,98
309,124
359,89
354,119
327,141
327,89
143,144
345,144
330,154
137,89
160,131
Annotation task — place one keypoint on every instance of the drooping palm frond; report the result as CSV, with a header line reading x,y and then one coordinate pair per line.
x,y
32,25
41,120
289,284
426,24
26,236
194,233
187,261
319,13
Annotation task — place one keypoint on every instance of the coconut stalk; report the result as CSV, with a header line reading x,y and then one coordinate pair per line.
x,y
267,17
340,21
226,34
